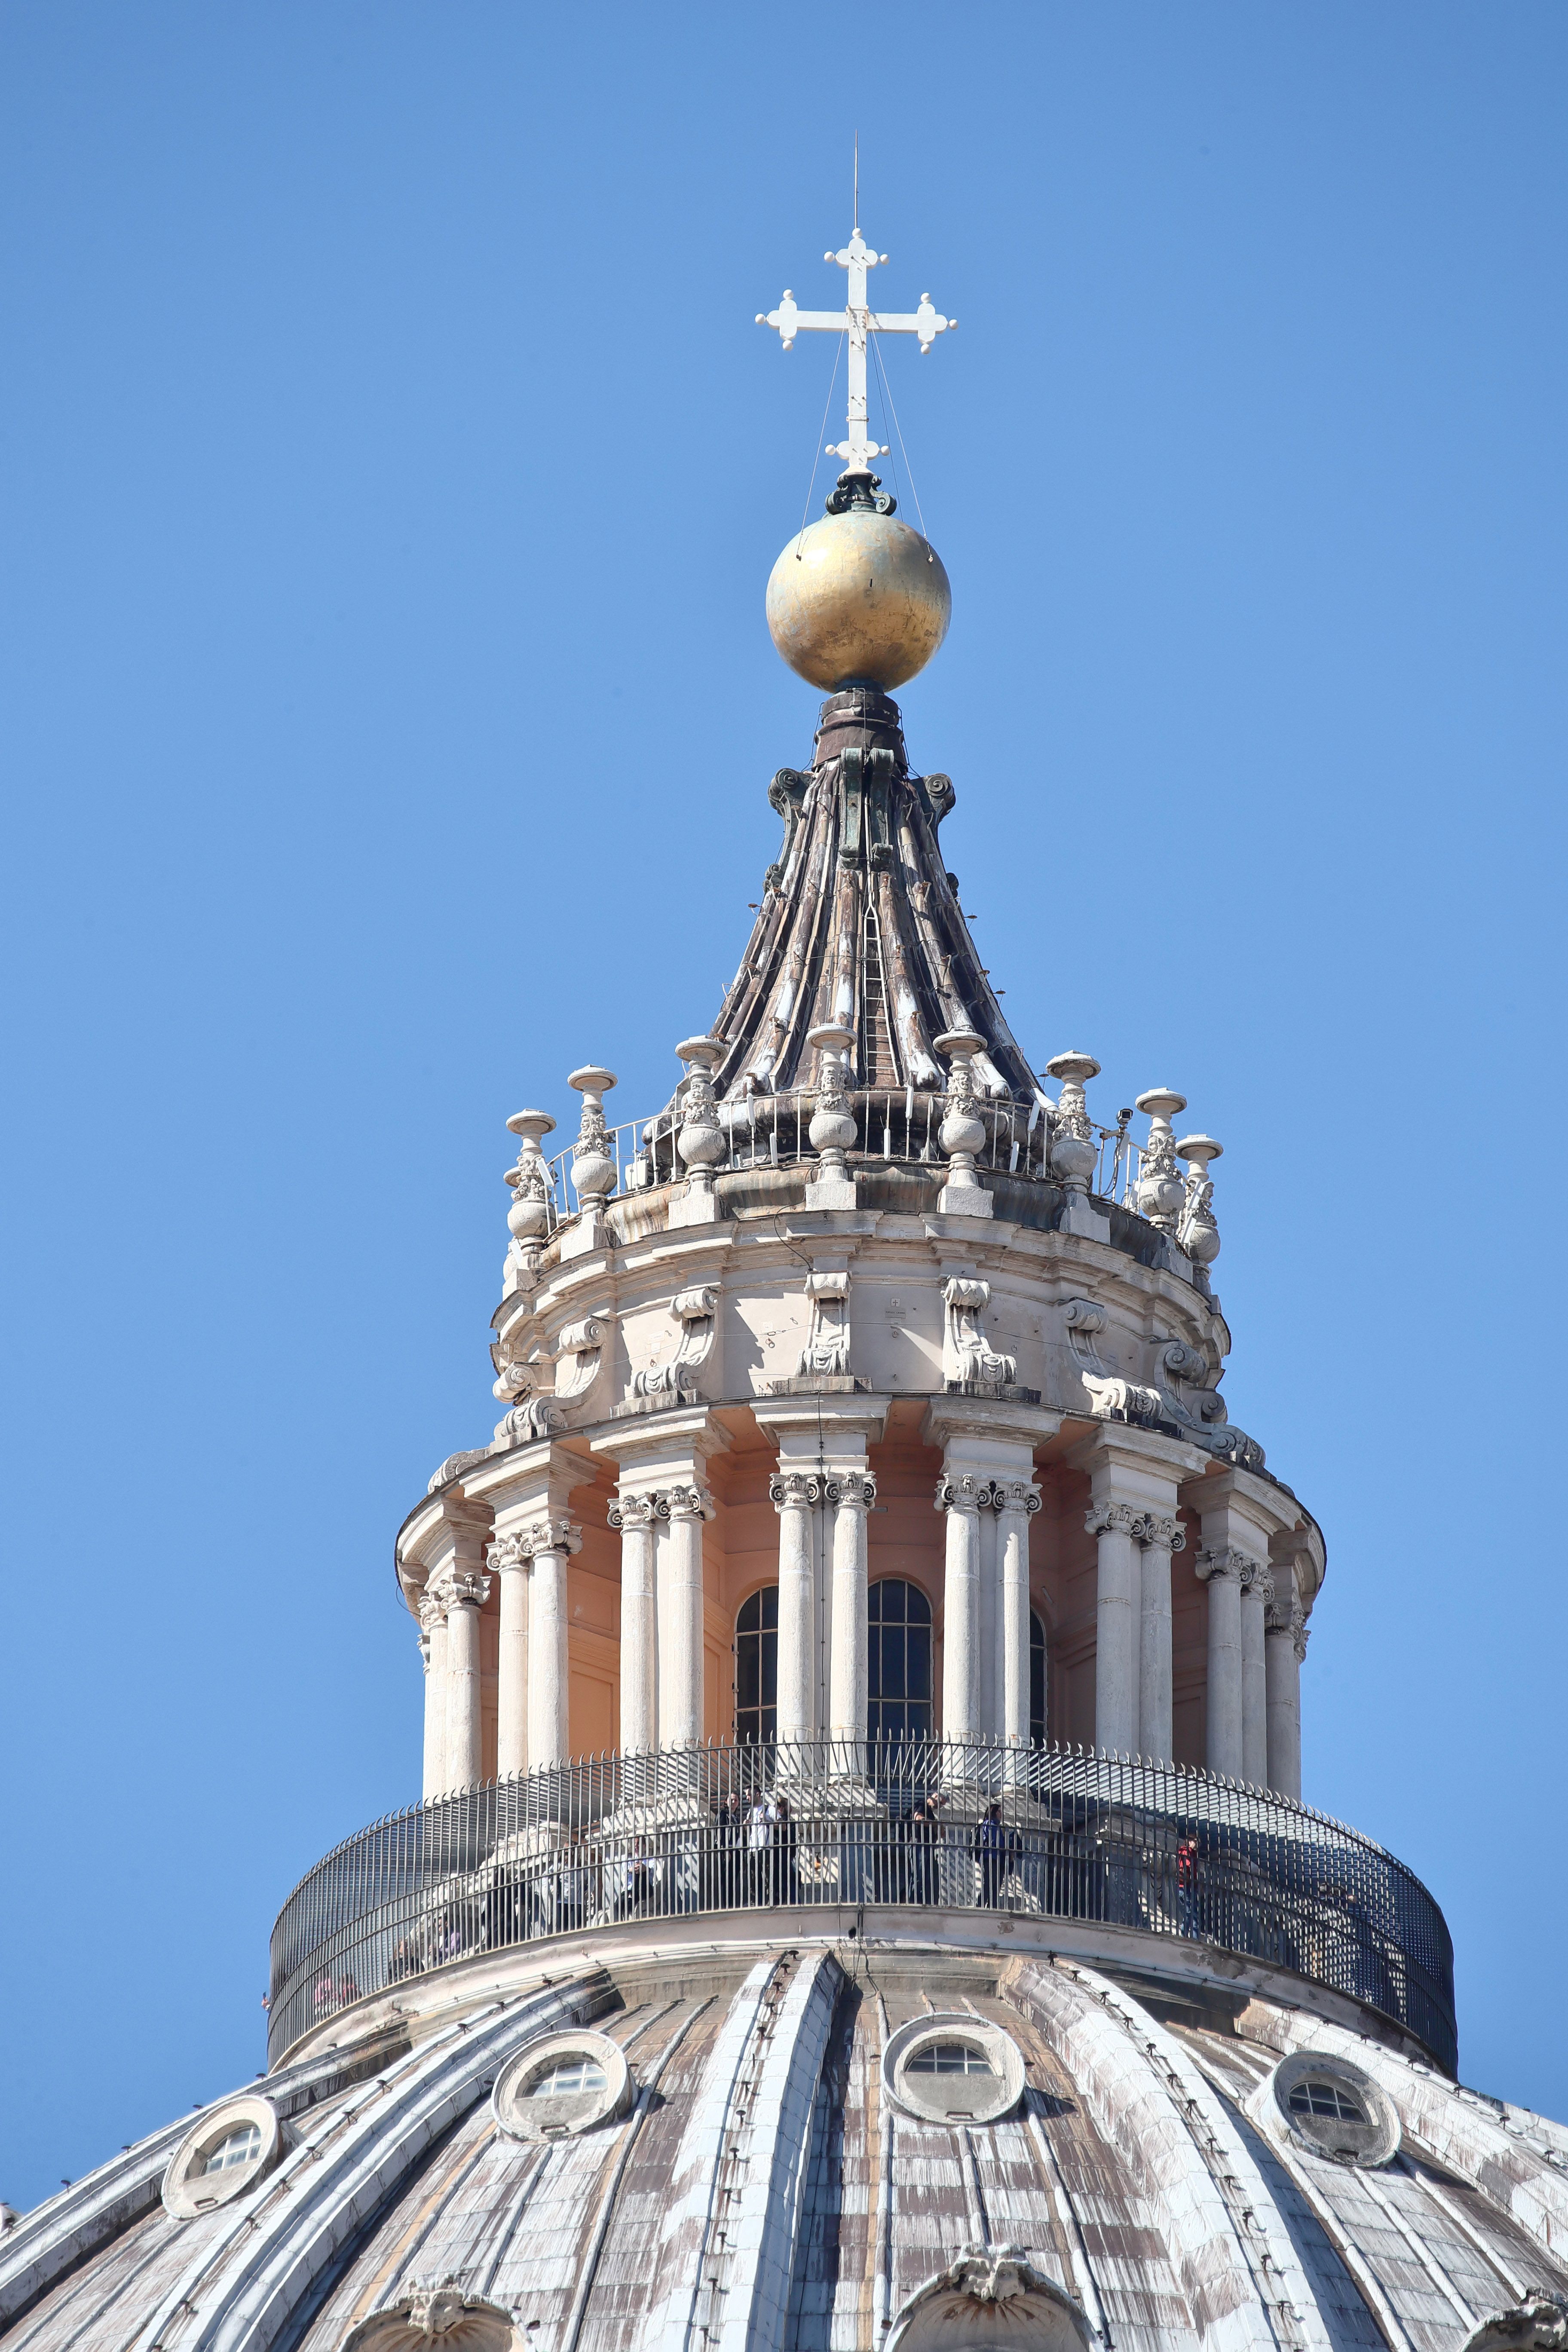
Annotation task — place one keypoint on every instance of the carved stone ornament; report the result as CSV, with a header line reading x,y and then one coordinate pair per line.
x,y
692,1502
454,1467
695,1312
1115,1518
447,2314
832,1130
1169,1535
1198,1234
458,1588
700,1140
1221,1559
579,1350
855,1489
593,1158
963,1130
992,2295
1539,2324
964,1354
1073,1149
794,1490
963,1492
559,1537
1162,1408
637,1512
786,797
1015,1495
1159,1191
827,1351
529,1419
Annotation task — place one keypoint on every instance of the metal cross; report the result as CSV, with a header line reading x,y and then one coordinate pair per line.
x,y
857,322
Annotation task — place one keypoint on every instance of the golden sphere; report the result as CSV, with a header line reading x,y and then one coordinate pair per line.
x,y
858,600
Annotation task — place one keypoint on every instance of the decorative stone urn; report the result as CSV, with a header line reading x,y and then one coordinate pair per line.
x,y
1198,1232
1074,1153
593,1161
700,1140
832,1129
528,1219
1159,1189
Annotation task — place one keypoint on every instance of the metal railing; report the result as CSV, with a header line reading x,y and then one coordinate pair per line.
x,y
1161,1848
897,1123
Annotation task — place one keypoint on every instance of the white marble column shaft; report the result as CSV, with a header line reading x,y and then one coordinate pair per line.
x,y
551,1543
635,1517
795,1495
1119,1608
1222,1569
681,1649
988,1697
851,1494
1285,1648
433,1630
1019,1499
959,1498
466,1591
1156,1735
1257,1591
508,1560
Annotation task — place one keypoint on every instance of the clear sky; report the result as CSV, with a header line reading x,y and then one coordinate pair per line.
x,y
390,473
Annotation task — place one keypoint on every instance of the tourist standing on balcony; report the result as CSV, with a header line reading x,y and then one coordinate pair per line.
x,y
994,1844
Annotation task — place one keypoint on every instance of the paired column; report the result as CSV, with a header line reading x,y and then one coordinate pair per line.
x,y
1256,1592
1135,1476
1284,1649
795,1495
432,1649
551,1544
852,1494
510,1558
1159,1536
464,1592
1119,1603
959,1496
1243,1519
1223,1569
1016,1501
636,1516
679,1609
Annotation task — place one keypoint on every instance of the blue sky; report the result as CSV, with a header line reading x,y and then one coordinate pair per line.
x,y
390,472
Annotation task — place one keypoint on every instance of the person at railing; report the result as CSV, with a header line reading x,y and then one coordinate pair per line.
x,y
921,1833
759,1847
785,1852
728,1879
635,1881
995,1846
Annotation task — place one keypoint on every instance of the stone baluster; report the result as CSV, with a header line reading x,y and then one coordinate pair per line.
x,y
1156,1737
832,1130
958,1495
681,1658
509,1559
1074,1153
852,1494
1018,1500
963,1130
699,1139
795,1495
1119,1603
1284,1648
1222,1569
1198,1234
465,1592
433,1646
1160,1192
635,1517
549,1544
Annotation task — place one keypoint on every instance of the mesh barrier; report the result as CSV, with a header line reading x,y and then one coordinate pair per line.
x,y
1161,1848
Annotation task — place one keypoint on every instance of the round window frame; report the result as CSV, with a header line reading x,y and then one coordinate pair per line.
x,y
1361,2148
182,2175
566,2112
908,2092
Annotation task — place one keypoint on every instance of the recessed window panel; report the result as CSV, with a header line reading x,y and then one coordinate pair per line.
x,y
757,1668
239,2147
1330,2099
567,2074
899,1693
950,2058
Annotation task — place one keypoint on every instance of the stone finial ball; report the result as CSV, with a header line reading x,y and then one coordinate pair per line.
x,y
858,599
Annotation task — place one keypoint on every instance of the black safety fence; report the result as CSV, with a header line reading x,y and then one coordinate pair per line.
x,y
1051,1832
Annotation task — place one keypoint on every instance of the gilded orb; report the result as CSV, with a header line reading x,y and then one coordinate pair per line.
x,y
858,600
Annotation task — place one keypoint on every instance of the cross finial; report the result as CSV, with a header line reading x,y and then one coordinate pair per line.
x,y
859,323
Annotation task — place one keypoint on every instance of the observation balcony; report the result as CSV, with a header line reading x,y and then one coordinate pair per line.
x,y
1162,1849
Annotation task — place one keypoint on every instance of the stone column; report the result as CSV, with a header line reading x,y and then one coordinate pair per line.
x,y
465,1592
1222,1569
433,1641
635,1514
509,1559
794,1494
1119,1608
1284,1649
1161,1538
681,1648
1257,1591
988,1698
851,1494
550,1543
959,1496
1018,1500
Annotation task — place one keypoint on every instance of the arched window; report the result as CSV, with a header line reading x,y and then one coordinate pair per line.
x,y
898,1686
757,1668
1037,1681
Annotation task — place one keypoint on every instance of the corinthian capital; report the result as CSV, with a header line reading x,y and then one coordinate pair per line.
x,y
794,1490
964,1493
1113,1519
508,1552
857,1489
1222,1560
1169,1534
466,1586
635,1512
1017,1495
692,1502
549,1536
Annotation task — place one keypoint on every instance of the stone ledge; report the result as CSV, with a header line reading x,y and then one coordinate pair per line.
x,y
821,1384
998,1392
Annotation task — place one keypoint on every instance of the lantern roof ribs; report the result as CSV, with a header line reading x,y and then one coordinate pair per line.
x,y
860,923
